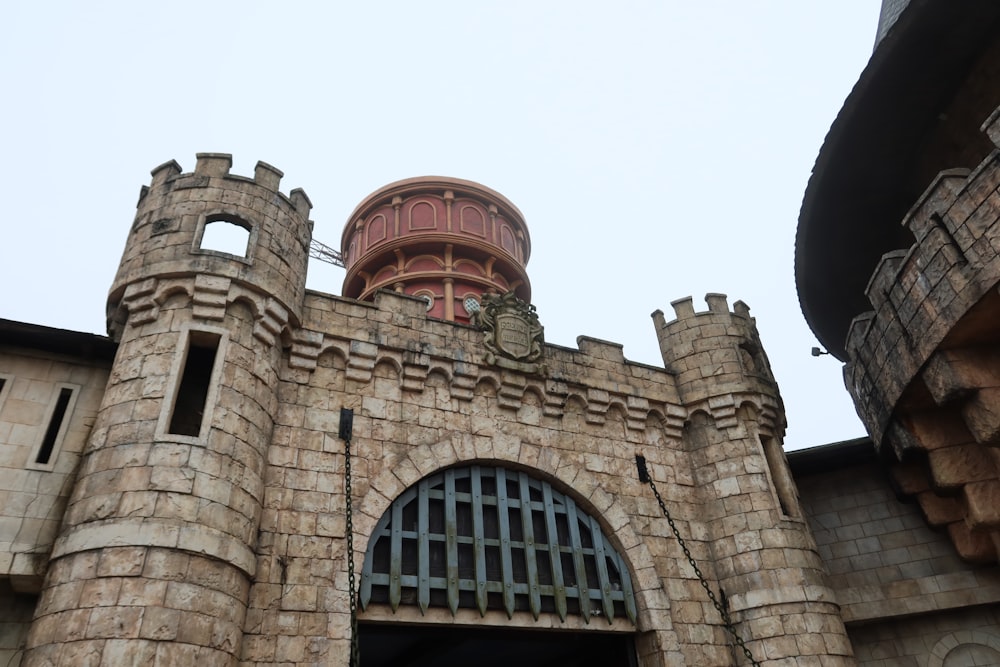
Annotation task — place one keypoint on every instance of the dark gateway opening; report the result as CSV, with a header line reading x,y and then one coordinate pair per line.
x,y
455,646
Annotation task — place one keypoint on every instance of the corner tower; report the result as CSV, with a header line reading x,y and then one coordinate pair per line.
x,y
157,550
764,554
442,239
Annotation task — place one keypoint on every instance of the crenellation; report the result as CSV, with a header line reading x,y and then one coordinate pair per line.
x,y
213,164
267,176
884,276
302,203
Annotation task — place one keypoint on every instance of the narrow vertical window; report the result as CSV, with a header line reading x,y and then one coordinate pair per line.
x,y
56,425
784,486
192,391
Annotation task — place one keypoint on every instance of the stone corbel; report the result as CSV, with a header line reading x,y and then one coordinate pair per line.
x,y
415,368
139,302
463,380
598,401
269,325
511,390
306,346
637,408
210,296
361,361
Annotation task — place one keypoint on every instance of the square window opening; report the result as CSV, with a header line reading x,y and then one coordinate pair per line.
x,y
226,234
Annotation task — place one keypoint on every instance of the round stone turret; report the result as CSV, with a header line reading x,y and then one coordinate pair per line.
x,y
443,239
766,559
169,489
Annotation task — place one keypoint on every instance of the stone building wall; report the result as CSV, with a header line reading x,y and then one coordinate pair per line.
x,y
35,481
420,408
901,586
33,492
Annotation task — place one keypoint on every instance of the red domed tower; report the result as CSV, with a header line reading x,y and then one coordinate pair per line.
x,y
443,239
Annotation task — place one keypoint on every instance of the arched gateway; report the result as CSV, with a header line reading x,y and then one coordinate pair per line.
x,y
500,543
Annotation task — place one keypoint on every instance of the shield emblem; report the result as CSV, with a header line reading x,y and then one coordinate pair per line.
x,y
513,335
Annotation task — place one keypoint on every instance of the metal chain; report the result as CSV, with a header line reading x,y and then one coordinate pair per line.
x,y
722,609
355,647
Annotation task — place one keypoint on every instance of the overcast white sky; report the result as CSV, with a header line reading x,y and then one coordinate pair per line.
x,y
657,149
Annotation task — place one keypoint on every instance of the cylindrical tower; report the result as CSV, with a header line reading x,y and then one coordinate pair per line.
x,y
765,557
156,554
443,239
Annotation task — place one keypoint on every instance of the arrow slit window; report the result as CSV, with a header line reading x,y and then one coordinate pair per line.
x,y
491,538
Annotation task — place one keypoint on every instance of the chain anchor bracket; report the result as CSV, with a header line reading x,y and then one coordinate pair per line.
x,y
720,606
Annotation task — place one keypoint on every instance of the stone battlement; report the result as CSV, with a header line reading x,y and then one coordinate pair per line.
x,y
922,366
217,165
918,294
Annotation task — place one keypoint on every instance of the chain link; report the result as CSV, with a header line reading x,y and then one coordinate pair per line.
x,y
722,609
352,595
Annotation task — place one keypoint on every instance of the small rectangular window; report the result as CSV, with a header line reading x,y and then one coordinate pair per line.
x,y
226,234
192,391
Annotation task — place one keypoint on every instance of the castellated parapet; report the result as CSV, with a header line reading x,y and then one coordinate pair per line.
x,y
923,369
166,242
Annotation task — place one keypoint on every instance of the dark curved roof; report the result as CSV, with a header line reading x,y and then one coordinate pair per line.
x,y
862,186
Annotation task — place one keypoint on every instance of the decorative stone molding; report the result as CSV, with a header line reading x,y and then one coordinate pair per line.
x,y
361,361
139,302
306,346
512,334
268,327
210,297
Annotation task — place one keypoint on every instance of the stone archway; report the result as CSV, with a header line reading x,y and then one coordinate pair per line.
x,y
498,544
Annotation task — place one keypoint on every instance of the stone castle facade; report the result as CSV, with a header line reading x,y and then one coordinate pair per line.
x,y
248,472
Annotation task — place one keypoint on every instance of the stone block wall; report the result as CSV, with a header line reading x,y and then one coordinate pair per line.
x,y
33,495
424,400
899,583
157,551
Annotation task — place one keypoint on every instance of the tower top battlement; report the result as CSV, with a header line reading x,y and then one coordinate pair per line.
x,y
176,237
718,304
217,165
723,340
